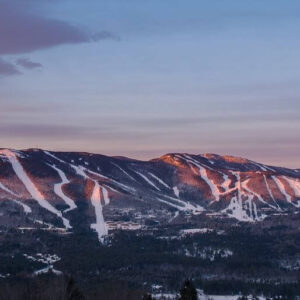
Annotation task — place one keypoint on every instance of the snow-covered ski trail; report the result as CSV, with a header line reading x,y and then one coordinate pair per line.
x,y
4,188
31,188
270,192
81,171
159,180
100,226
147,180
259,197
58,188
176,191
123,171
203,173
26,208
282,189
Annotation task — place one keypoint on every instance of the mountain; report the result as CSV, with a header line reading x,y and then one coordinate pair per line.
x,y
52,186
208,217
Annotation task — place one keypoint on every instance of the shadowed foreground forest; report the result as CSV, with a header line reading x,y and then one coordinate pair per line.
x,y
51,287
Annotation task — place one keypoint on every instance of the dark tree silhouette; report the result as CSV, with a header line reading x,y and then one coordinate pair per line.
x,y
72,291
147,297
188,291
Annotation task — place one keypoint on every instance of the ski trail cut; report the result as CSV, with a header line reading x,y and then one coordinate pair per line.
x,y
225,185
203,173
100,226
26,208
58,188
147,180
186,206
176,191
4,188
81,171
262,168
295,185
259,197
159,180
122,170
282,189
31,188
270,192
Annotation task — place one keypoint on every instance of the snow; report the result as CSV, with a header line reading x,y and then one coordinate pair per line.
x,y
100,226
165,296
53,156
195,230
259,165
47,259
123,225
282,189
176,191
58,189
159,180
147,180
186,206
225,185
105,196
270,191
47,270
203,173
201,296
26,208
294,184
212,186
235,207
3,187
81,171
259,197
174,217
235,210
122,170
125,187
171,204
31,188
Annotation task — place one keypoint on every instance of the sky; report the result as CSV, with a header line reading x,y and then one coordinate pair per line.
x,y
142,78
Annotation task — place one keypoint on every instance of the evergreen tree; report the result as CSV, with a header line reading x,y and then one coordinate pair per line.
x,y
188,291
72,291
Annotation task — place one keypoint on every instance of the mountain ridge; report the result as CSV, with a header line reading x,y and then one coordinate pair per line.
x,y
52,186
122,157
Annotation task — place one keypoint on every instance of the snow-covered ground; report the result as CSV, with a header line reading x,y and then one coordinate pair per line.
x,y
48,259
201,296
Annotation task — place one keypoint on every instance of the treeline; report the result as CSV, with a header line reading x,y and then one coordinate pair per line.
x,y
48,287
269,289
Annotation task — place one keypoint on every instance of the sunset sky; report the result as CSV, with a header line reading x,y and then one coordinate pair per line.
x,y
142,78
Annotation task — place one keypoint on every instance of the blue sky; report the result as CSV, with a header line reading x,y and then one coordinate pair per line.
x,y
142,78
